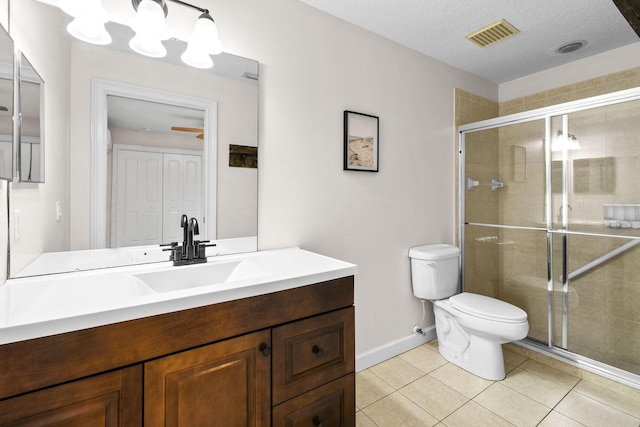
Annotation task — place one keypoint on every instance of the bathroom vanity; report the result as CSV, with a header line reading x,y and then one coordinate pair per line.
x,y
281,354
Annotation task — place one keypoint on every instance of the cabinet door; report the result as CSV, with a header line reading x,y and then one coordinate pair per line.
x,y
225,384
113,399
331,405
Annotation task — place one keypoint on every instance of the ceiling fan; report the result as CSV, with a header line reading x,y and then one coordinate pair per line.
x,y
187,129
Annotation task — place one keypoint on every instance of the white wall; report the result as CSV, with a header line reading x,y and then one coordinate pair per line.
x,y
599,65
37,202
312,68
4,220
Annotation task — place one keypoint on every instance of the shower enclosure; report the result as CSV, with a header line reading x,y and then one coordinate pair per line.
x,y
549,220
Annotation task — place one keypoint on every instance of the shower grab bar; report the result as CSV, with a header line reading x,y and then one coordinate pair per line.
x,y
495,184
604,258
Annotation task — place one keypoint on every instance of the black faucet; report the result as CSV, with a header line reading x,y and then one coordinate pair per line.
x,y
192,229
192,251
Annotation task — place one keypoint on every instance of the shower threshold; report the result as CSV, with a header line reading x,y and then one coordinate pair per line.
x,y
581,362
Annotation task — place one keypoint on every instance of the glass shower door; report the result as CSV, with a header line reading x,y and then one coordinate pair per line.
x,y
505,219
595,181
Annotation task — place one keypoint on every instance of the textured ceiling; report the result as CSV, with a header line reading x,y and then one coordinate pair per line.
x,y
438,28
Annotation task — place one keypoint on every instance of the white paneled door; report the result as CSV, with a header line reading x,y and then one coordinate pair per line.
x,y
182,193
150,191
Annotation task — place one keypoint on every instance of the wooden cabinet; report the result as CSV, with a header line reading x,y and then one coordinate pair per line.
x,y
112,399
283,359
223,384
312,374
330,405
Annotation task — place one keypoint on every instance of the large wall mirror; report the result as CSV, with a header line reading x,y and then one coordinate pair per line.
x,y
147,140
31,89
6,105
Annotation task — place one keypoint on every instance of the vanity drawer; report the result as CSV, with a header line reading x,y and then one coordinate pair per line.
x,y
332,405
312,352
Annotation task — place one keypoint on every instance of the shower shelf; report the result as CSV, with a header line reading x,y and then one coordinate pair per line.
x,y
622,215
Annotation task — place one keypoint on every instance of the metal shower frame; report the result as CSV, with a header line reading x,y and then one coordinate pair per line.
x,y
546,114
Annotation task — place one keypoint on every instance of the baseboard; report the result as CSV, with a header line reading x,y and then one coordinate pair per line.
x,y
393,348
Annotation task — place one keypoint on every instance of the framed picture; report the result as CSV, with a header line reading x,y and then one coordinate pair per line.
x,y
360,142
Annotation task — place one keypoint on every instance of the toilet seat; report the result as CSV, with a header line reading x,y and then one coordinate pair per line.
x,y
487,308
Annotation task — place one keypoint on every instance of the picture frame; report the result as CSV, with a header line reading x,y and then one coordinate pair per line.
x,y
361,142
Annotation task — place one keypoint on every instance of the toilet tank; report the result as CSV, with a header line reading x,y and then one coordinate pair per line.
x,y
434,271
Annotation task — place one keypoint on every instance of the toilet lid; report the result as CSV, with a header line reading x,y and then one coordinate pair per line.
x,y
488,308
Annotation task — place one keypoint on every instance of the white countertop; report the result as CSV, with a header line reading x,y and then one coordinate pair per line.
x,y
47,305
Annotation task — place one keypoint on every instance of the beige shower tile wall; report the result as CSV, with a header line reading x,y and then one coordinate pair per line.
x,y
522,200
472,108
601,85
481,265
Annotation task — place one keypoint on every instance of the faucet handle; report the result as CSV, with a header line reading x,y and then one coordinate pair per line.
x,y
171,245
176,251
199,247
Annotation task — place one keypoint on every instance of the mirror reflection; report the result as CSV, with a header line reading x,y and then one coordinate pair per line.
x,y
31,106
104,153
155,154
6,105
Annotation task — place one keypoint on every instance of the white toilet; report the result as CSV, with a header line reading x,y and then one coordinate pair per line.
x,y
471,328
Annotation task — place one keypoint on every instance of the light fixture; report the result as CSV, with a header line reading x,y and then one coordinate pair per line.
x,y
571,47
150,27
204,41
88,22
570,142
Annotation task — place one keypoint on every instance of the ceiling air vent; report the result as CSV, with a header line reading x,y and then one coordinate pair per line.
x,y
492,33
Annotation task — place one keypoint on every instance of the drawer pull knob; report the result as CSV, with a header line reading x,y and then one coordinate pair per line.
x,y
317,351
316,422
265,349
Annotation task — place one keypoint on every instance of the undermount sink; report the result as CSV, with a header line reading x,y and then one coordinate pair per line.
x,y
194,276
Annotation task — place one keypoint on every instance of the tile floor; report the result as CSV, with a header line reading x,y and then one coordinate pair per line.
x,y
420,388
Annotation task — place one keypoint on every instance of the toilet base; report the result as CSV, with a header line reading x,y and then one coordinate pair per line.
x,y
482,357
471,349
